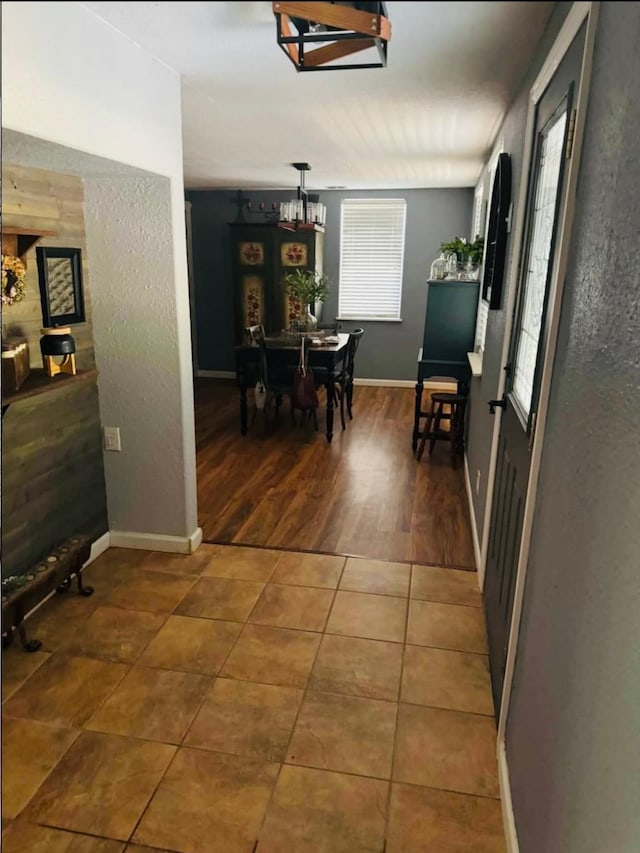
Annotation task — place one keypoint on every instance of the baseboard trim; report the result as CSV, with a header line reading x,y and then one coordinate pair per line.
x,y
99,547
215,374
195,540
156,541
477,551
386,383
398,383
508,817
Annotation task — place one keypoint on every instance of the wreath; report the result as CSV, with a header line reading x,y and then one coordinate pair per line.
x,y
13,280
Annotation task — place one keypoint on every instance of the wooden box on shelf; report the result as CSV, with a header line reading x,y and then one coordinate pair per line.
x,y
15,363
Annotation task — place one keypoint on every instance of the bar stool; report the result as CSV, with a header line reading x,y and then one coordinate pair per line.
x,y
434,431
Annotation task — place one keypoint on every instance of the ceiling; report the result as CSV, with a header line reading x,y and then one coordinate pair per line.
x,y
426,120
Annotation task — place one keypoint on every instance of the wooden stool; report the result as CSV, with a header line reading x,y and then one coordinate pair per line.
x,y
434,427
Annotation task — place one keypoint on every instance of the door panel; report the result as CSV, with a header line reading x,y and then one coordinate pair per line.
x,y
547,187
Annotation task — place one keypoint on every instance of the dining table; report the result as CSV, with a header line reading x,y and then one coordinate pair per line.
x,y
325,358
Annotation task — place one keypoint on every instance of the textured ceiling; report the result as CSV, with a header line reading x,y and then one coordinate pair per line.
x,y
427,120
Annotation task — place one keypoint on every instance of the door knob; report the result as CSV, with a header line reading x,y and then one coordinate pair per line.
x,y
497,404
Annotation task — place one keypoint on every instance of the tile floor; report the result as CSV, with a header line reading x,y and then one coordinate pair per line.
x,y
245,700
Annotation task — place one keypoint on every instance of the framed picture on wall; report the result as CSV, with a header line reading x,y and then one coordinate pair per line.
x,y
60,278
497,231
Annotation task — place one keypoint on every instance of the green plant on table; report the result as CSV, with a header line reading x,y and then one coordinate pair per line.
x,y
307,285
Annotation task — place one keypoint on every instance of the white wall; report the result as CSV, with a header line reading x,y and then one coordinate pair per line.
x,y
70,78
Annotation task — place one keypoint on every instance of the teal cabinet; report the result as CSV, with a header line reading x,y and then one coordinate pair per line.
x,y
449,334
449,328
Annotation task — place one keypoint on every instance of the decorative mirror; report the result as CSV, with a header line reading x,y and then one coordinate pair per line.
x,y
60,276
496,245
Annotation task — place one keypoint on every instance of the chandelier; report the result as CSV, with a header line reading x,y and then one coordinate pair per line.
x,y
305,212
333,31
306,208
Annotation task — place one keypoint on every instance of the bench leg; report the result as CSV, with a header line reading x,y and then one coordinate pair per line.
x,y
83,590
27,645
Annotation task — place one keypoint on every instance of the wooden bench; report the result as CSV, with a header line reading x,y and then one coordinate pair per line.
x,y
55,571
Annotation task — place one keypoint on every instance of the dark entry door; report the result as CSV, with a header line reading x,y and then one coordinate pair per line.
x,y
553,140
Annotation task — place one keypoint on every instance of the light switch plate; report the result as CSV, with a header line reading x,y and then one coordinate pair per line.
x,y
111,438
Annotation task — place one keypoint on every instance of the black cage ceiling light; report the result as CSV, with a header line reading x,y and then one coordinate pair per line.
x,y
315,34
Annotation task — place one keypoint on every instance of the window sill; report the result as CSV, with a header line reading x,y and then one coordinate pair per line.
x,y
475,360
370,319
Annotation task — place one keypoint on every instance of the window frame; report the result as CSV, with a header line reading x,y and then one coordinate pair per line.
x,y
362,314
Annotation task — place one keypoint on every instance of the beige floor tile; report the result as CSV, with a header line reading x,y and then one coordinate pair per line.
x,y
357,667
376,617
191,645
272,655
447,626
101,785
60,619
115,634
344,733
316,810
30,750
65,691
208,801
376,576
17,666
446,749
158,592
425,819
447,585
249,564
179,564
113,567
154,704
109,570
221,598
447,679
244,718
308,570
301,607
23,837
137,848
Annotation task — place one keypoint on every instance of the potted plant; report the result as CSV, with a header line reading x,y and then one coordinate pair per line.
x,y
308,287
468,255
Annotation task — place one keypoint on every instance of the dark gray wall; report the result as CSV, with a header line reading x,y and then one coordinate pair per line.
x,y
480,422
388,350
573,733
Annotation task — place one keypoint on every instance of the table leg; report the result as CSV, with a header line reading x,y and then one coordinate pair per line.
x,y
330,387
417,412
242,382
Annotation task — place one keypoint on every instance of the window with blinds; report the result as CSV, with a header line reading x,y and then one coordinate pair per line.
x,y
371,258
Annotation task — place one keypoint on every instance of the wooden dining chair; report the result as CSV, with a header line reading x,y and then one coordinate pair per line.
x,y
343,387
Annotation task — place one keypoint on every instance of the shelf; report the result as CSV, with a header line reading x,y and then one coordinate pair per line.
x,y
475,360
21,239
39,383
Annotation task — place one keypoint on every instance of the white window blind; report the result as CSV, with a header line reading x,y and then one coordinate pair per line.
x,y
371,258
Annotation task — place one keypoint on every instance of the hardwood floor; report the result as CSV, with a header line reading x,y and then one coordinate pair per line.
x,y
282,486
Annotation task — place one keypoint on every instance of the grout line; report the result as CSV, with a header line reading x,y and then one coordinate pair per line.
x,y
300,706
155,791
395,730
286,548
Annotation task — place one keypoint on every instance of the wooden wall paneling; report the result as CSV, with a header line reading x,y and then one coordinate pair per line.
x,y
52,464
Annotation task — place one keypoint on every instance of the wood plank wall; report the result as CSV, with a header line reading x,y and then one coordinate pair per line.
x,y
52,466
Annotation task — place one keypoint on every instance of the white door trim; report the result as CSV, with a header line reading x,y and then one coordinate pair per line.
x,y
579,12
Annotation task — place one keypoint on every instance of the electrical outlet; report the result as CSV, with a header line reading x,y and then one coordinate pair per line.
x,y
478,481
112,438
